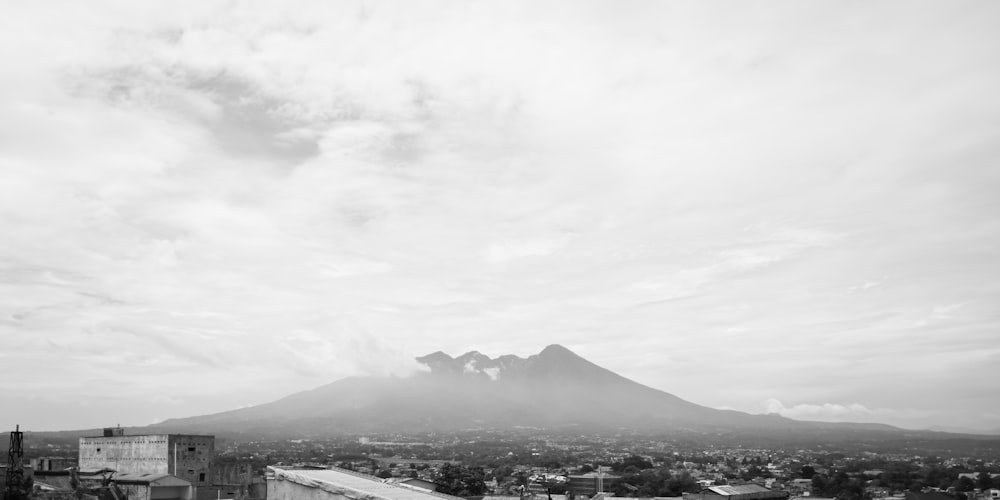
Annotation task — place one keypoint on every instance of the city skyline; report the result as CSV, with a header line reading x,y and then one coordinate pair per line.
x,y
770,207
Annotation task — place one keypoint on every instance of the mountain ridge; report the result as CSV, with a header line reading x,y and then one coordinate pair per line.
x,y
553,389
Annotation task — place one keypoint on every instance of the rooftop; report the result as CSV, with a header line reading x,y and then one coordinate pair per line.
x,y
353,485
743,489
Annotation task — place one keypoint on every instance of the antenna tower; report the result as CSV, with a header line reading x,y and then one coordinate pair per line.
x,y
15,464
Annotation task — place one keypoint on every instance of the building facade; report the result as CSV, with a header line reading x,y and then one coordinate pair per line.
x,y
188,457
591,483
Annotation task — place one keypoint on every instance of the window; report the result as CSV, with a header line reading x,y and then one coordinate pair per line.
x,y
98,450
190,448
201,477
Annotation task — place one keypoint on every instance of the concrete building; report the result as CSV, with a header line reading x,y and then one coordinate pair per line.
x,y
591,483
337,484
741,492
185,456
46,464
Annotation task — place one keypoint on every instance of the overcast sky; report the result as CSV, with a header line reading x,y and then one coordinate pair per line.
x,y
780,206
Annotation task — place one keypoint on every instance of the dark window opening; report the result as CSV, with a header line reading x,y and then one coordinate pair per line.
x,y
98,450
190,448
201,477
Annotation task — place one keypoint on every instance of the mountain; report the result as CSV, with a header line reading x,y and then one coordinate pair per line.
x,y
554,389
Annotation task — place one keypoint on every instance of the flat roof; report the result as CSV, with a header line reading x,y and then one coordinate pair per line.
x,y
149,435
353,485
742,489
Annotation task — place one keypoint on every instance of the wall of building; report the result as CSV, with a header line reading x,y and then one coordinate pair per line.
x,y
188,457
171,492
143,491
587,484
135,491
230,491
125,454
52,463
191,457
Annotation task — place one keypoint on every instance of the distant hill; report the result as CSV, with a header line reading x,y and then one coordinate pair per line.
x,y
554,389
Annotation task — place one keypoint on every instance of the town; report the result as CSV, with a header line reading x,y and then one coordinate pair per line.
x,y
499,465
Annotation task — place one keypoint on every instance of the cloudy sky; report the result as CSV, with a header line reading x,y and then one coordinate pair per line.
x,y
783,206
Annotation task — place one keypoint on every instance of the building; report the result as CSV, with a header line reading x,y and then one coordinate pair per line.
x,y
591,483
148,486
46,464
337,484
185,456
740,492
802,484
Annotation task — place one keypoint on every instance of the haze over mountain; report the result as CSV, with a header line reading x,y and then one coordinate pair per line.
x,y
554,389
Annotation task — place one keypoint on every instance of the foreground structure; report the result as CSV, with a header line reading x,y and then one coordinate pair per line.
x,y
185,456
337,484
741,492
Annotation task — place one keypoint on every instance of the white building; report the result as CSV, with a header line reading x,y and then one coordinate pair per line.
x,y
188,457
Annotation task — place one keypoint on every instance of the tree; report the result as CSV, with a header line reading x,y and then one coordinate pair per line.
x,y
965,484
461,481
807,472
819,485
984,481
21,491
636,461
679,484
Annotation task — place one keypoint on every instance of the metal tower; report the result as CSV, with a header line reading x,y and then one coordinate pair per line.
x,y
15,464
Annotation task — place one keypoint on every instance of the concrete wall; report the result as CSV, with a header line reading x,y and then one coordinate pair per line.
x,y
135,491
52,463
191,458
159,492
125,454
188,457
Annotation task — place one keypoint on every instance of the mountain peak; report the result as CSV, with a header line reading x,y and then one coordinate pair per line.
x,y
556,350
436,361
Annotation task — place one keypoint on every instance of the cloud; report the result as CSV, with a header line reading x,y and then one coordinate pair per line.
x,y
279,196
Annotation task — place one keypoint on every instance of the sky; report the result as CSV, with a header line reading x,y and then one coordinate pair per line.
x,y
780,206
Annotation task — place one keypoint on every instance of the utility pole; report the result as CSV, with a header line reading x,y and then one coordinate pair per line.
x,y
600,479
15,464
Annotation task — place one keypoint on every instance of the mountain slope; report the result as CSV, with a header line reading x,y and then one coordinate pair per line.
x,y
554,389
